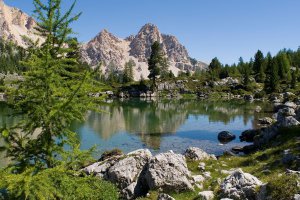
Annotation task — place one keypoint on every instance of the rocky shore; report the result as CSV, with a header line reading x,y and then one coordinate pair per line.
x,y
139,172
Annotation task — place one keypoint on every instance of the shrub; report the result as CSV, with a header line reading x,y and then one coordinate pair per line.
x,y
283,187
55,183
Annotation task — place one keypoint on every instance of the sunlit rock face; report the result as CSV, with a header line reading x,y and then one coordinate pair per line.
x,y
15,24
114,52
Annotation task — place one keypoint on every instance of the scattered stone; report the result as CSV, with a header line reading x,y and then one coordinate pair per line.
x,y
201,166
225,137
206,195
240,185
258,109
163,196
198,178
207,175
168,171
290,105
197,154
265,121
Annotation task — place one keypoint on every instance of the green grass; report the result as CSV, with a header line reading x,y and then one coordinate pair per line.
x,y
266,165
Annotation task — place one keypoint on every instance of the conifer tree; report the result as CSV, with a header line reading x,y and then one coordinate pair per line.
x,y
155,62
272,78
258,66
52,95
214,69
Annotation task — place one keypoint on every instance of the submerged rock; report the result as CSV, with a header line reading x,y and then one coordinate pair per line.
x,y
169,172
240,185
225,137
248,135
198,154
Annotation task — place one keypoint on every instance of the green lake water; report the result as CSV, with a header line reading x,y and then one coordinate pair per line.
x,y
162,125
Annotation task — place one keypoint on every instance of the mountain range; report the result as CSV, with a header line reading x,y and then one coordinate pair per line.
x,y
105,47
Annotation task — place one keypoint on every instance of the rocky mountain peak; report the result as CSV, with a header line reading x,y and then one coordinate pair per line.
x,y
107,48
141,44
14,24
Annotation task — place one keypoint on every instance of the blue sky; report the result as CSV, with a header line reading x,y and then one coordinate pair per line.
x,y
226,29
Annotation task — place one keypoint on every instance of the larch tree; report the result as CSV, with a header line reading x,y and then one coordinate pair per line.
x,y
53,94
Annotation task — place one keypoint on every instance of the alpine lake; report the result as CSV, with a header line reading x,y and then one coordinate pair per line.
x,y
160,125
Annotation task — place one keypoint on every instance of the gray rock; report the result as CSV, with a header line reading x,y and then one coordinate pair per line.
x,y
163,196
286,112
206,195
240,185
225,137
201,166
126,171
288,121
248,135
266,121
197,154
258,109
290,105
3,97
297,197
168,171
198,178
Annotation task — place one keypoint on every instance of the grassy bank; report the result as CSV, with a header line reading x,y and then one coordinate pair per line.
x,y
266,164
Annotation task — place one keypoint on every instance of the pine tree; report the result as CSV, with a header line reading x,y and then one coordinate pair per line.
x,y
284,66
128,75
52,95
245,71
272,78
214,69
258,66
154,63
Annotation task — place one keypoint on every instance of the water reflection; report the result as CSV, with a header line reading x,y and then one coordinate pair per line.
x,y
154,120
160,125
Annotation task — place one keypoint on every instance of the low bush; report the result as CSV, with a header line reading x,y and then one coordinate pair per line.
x,y
283,187
55,183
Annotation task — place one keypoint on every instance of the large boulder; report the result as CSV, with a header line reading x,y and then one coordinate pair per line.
x,y
224,137
169,172
248,135
198,154
240,185
124,170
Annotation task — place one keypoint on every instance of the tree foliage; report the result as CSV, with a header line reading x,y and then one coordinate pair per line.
x,y
52,95
155,62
